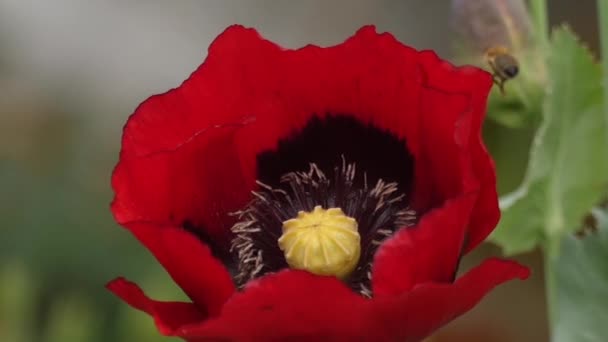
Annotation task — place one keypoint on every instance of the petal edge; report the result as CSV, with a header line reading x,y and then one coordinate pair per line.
x,y
168,316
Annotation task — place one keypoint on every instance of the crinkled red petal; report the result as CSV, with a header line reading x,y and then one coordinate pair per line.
x,y
301,306
190,263
427,252
180,186
476,84
190,154
417,314
168,316
289,305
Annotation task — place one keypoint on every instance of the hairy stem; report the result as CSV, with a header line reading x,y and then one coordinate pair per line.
x,y
550,256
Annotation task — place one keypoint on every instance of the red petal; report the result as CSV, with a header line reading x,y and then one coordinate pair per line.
x,y
428,252
178,161
190,263
199,183
301,306
475,84
168,316
428,307
190,154
290,305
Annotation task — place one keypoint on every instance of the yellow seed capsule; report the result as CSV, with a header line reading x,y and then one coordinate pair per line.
x,y
323,242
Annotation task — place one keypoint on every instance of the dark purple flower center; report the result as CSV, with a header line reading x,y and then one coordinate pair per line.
x,y
335,162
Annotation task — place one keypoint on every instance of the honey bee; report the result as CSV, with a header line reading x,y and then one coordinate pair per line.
x,y
504,66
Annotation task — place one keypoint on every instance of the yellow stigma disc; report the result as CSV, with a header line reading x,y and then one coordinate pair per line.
x,y
323,242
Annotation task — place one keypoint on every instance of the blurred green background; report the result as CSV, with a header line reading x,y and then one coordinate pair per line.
x,y
70,74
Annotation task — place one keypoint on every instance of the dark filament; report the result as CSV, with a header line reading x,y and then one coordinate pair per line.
x,y
379,209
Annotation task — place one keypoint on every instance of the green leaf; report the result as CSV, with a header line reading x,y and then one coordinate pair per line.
x,y
568,167
581,287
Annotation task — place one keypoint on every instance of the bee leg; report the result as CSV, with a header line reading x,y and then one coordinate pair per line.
x,y
495,78
500,82
501,86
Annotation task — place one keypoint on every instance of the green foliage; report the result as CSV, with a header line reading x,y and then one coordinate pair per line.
x,y
510,147
567,171
581,287
16,297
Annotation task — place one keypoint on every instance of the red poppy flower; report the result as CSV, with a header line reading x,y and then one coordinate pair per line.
x,y
318,193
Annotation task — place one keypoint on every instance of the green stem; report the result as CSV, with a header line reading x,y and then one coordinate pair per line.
x,y
603,26
540,20
549,256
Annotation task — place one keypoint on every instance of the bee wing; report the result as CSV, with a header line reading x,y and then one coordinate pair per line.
x,y
482,24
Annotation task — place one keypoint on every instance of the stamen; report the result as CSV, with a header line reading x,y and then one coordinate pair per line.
x,y
379,211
